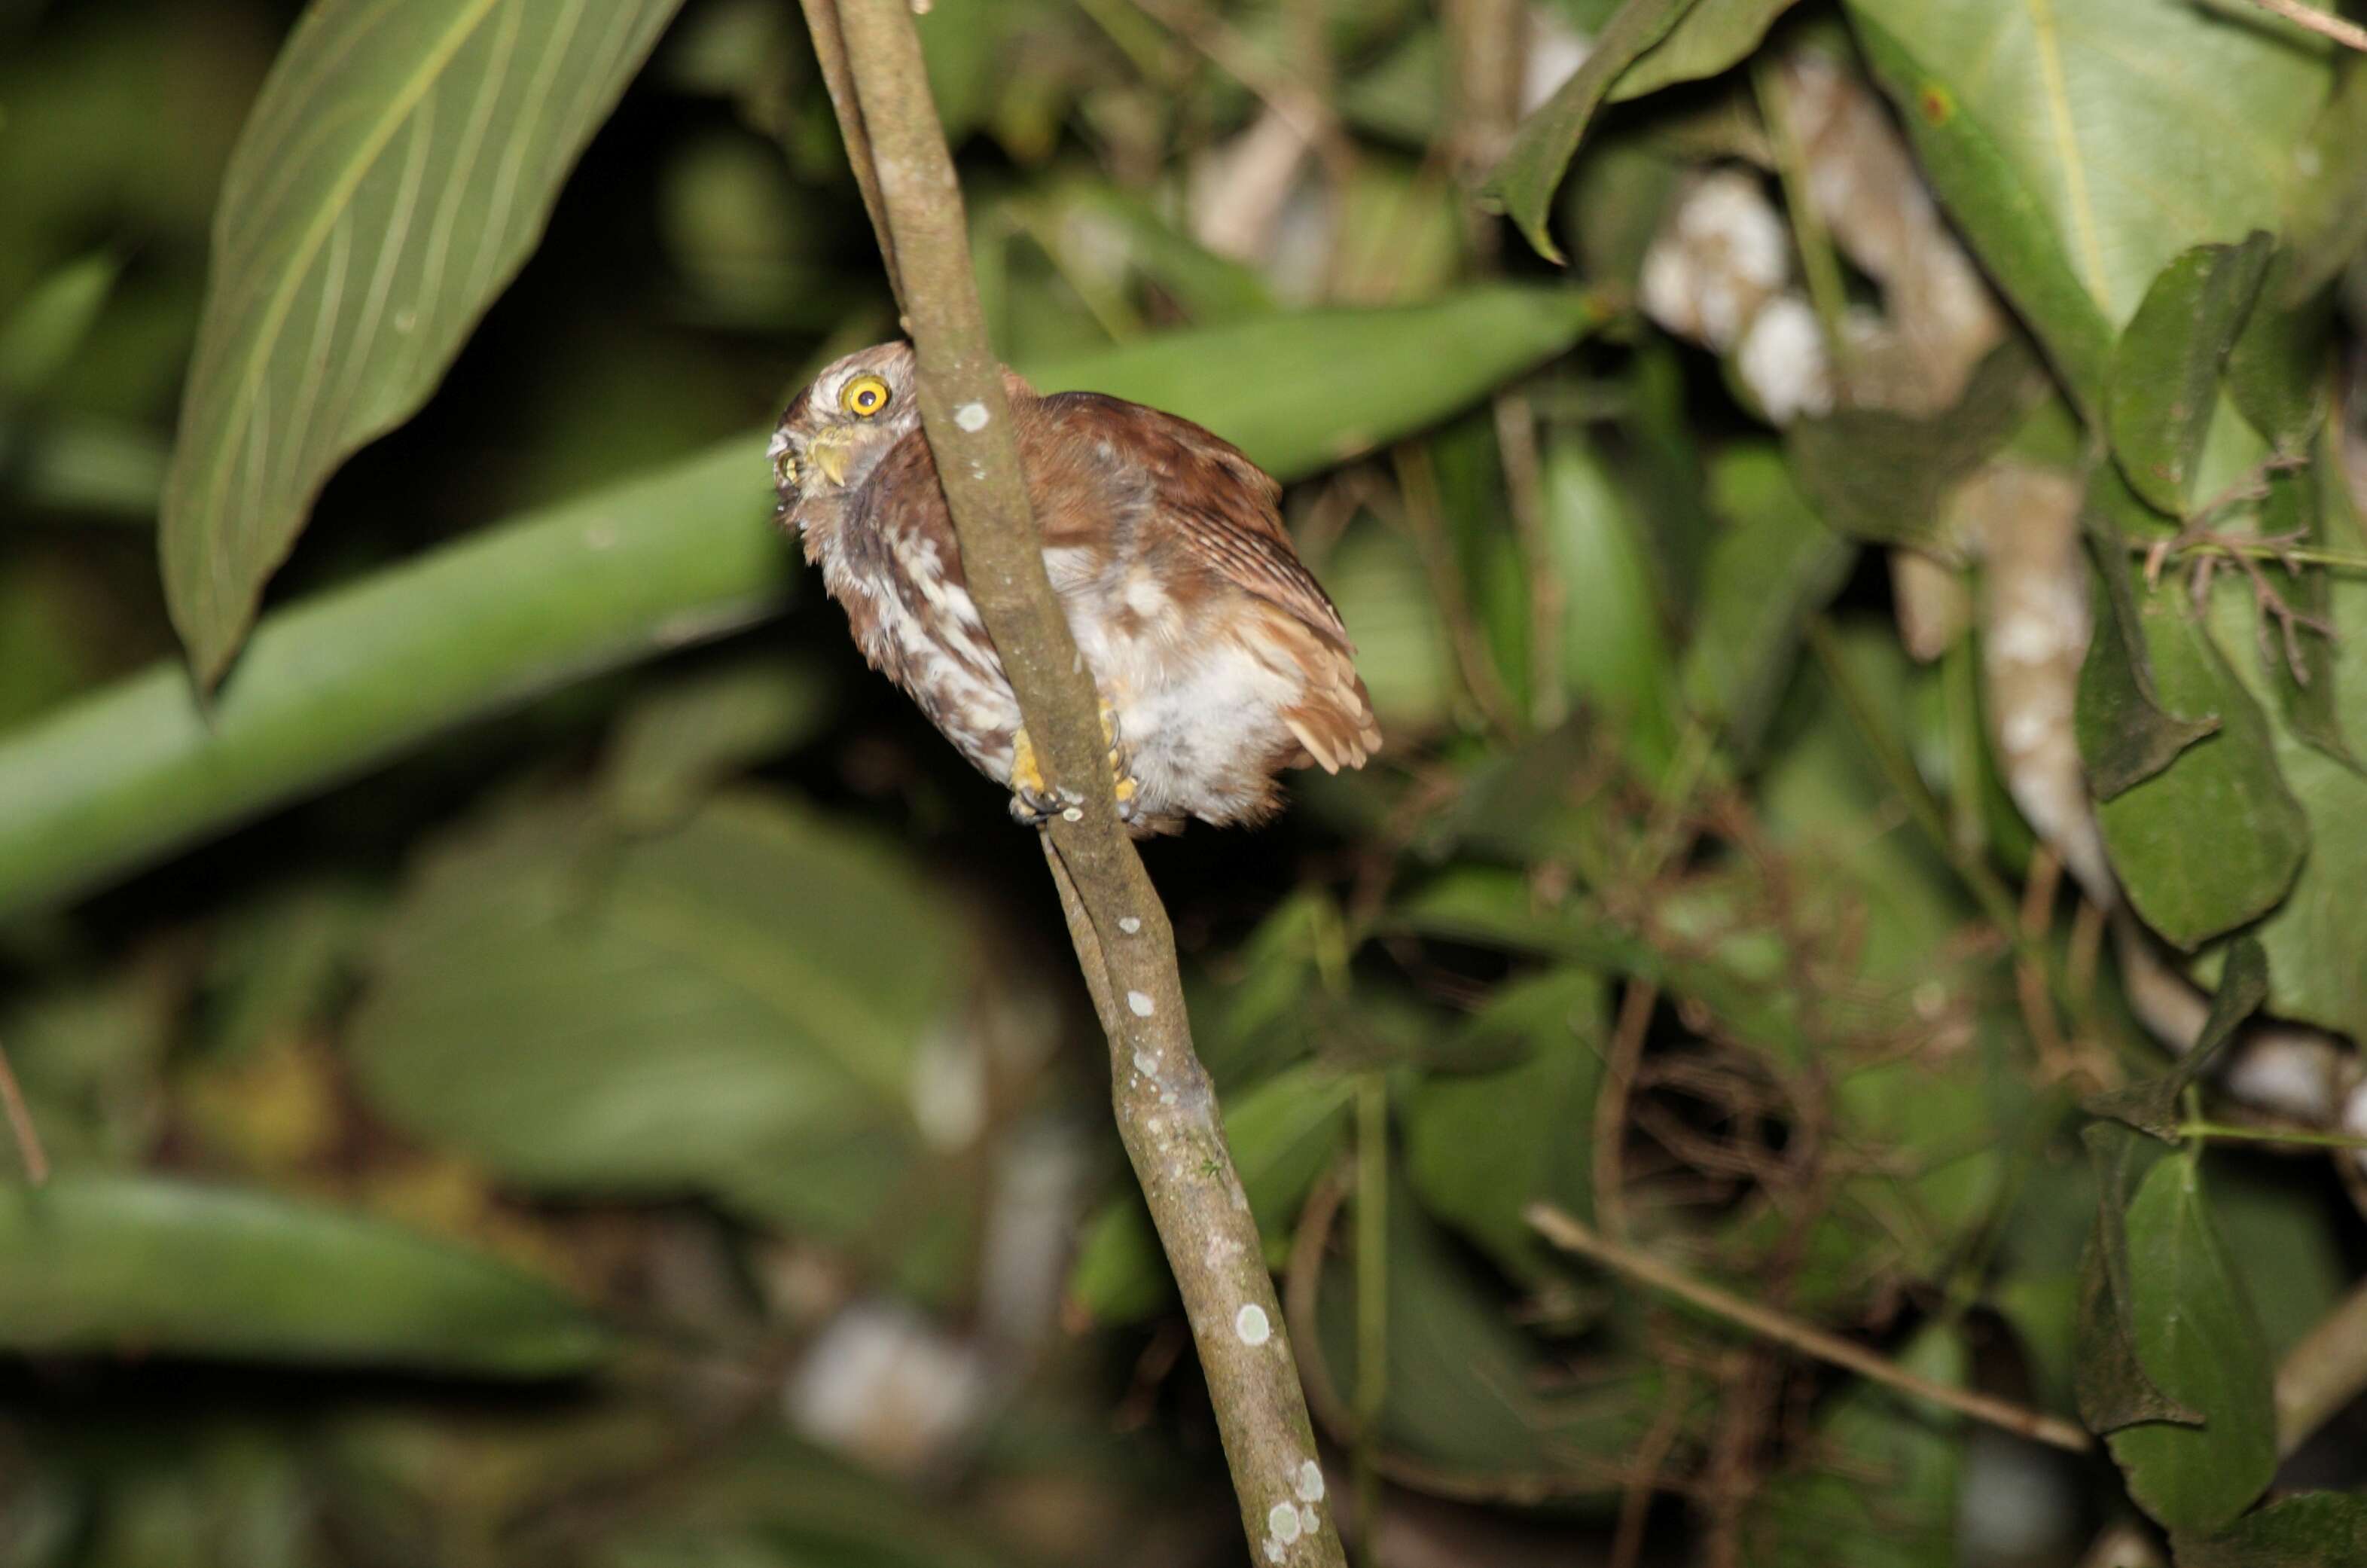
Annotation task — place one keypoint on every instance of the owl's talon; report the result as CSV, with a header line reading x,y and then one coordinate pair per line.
x,y
1034,802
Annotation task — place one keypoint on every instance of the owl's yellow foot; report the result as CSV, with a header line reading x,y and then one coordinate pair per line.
x,y
1126,788
1033,801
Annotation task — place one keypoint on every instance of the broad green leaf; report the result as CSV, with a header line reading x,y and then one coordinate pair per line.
x,y
2200,1339
1713,36
1524,181
1975,175
2309,1530
42,333
2081,144
1878,1488
2312,936
393,175
1481,1147
2302,670
2277,369
1771,564
2330,199
2227,791
1302,391
2151,1105
1878,475
1283,1134
2165,379
2112,1384
2125,734
144,1265
673,746
736,1006
2137,129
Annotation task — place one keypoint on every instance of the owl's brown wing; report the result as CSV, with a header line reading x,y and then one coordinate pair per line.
x,y
1187,486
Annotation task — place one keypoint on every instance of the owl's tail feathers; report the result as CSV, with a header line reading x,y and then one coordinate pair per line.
x,y
1334,718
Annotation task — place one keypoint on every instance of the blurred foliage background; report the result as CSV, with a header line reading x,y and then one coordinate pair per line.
x,y
552,1062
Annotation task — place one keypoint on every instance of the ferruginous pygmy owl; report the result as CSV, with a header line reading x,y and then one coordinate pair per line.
x,y
1218,657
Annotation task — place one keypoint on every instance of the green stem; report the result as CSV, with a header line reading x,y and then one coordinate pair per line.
x,y
2220,1130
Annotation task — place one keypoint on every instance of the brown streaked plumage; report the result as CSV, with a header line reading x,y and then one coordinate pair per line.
x,y
1218,657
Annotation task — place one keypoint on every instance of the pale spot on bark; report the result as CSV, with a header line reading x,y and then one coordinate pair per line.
x,y
1250,1324
1139,1004
971,416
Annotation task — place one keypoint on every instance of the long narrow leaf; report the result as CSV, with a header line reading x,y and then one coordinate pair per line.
x,y
396,172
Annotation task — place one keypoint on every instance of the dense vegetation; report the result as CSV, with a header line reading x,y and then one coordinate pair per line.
x,y
543,1059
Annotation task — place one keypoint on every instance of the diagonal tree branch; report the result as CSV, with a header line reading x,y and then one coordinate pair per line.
x,y
1165,1106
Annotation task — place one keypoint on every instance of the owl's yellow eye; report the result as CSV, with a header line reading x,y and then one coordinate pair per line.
x,y
863,396
785,471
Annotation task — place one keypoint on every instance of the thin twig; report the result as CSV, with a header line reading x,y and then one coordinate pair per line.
x,y
1165,1106
1567,1233
20,1123
1611,1107
2349,35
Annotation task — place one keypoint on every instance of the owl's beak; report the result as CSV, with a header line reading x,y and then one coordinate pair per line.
x,y
830,449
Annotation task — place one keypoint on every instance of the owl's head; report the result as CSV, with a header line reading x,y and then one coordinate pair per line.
x,y
837,430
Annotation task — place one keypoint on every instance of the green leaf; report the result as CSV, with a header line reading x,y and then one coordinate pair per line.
x,y
2225,790
1879,1490
145,1264
2082,147
40,336
2126,735
1712,37
667,1015
2165,379
2308,695
394,174
2310,1530
2109,1379
2277,369
1283,1132
2313,937
1481,1147
2200,1339
673,746
2329,202
1977,181
1771,564
1615,660
1881,476
1385,372
2151,1106
1524,181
